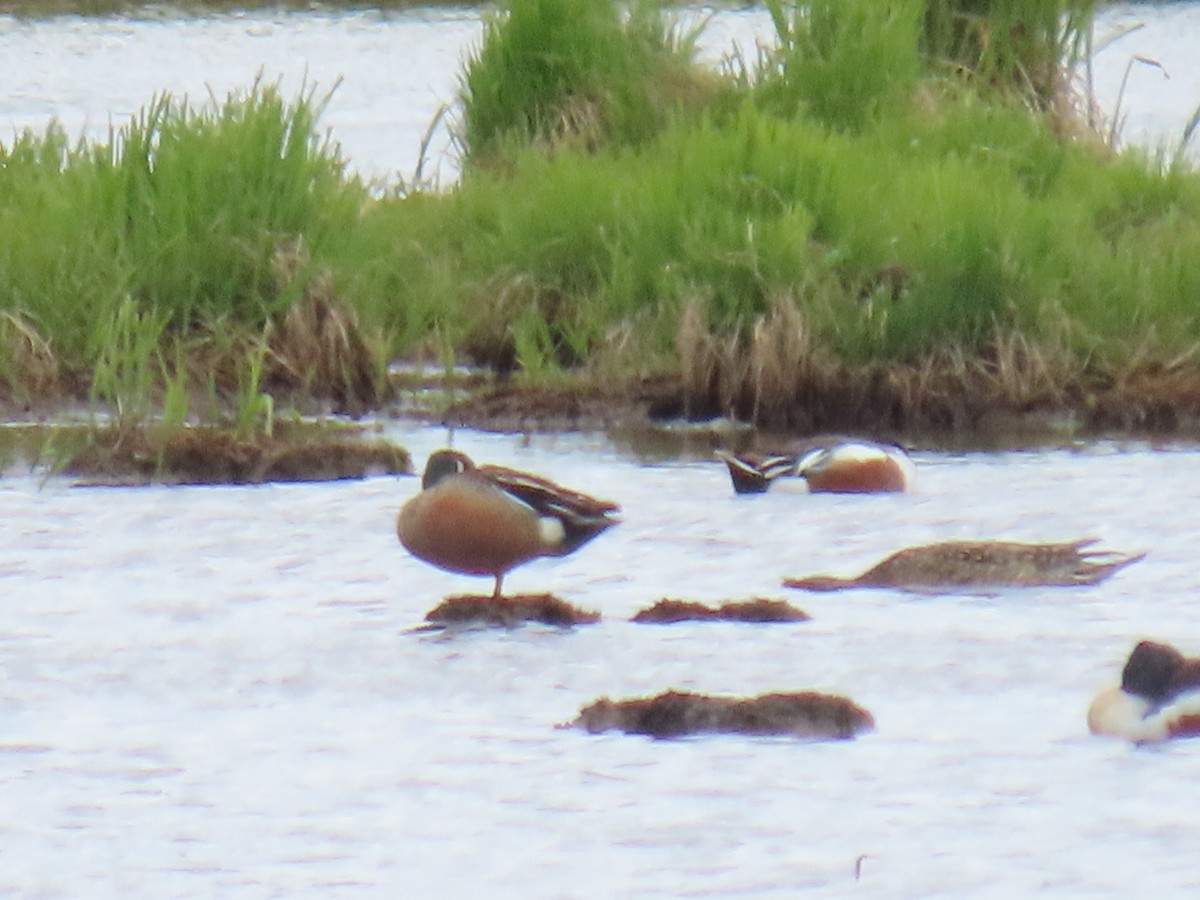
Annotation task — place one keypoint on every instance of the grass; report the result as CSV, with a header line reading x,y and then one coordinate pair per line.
x,y
890,220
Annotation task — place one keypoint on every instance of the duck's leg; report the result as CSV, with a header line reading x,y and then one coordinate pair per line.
x,y
496,595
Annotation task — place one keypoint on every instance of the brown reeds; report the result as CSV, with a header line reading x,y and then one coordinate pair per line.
x,y
774,375
29,367
319,347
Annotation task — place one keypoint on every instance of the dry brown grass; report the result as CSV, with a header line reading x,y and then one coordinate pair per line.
x,y
774,375
777,377
504,306
29,367
580,123
319,347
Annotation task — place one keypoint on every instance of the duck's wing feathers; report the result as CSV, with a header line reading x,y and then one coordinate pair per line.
x,y
999,563
582,516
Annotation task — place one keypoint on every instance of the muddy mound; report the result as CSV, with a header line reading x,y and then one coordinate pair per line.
x,y
480,611
806,714
758,609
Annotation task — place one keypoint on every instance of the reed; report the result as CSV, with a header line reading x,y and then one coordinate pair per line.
x,y
807,244
1023,45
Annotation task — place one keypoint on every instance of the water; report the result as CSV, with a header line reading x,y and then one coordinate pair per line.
x,y
212,691
391,72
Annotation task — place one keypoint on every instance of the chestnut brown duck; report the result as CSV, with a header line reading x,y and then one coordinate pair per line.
x,y
1158,697
981,566
832,464
487,520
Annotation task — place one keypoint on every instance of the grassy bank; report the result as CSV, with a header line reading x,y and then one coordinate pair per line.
x,y
895,219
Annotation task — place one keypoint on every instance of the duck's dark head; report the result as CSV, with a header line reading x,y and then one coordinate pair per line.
x,y
442,464
1151,670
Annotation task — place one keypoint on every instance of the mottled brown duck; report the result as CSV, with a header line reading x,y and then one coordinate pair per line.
x,y
980,566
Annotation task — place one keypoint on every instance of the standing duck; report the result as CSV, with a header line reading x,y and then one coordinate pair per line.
x,y
1158,697
827,465
487,520
980,565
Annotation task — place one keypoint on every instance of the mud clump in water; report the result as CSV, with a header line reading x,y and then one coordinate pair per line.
x,y
758,609
208,455
479,611
805,714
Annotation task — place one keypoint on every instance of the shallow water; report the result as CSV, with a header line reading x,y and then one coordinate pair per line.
x,y
390,72
212,691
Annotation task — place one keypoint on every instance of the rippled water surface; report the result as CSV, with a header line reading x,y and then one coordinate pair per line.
x,y
213,691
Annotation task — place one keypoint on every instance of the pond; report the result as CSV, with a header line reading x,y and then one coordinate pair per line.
x,y
391,72
218,691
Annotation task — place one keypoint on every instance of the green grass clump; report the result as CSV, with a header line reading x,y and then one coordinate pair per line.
x,y
845,227
840,61
574,72
1022,45
171,229
208,197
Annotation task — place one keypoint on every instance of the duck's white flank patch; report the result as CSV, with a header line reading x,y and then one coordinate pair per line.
x,y
854,452
1119,714
789,486
907,466
551,531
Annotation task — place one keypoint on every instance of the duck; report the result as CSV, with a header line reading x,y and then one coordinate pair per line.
x,y
487,520
834,465
1158,697
981,565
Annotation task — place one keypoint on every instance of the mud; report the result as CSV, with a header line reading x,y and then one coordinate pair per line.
x,y
758,609
125,456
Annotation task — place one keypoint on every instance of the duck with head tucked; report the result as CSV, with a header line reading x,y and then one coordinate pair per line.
x,y
832,465
981,566
1158,697
487,520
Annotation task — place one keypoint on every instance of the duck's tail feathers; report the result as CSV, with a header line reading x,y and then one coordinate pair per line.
x,y
753,475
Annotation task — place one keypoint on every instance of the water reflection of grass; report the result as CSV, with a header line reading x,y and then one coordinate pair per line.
x,y
893,219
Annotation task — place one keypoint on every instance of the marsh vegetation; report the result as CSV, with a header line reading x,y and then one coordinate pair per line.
x,y
894,218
